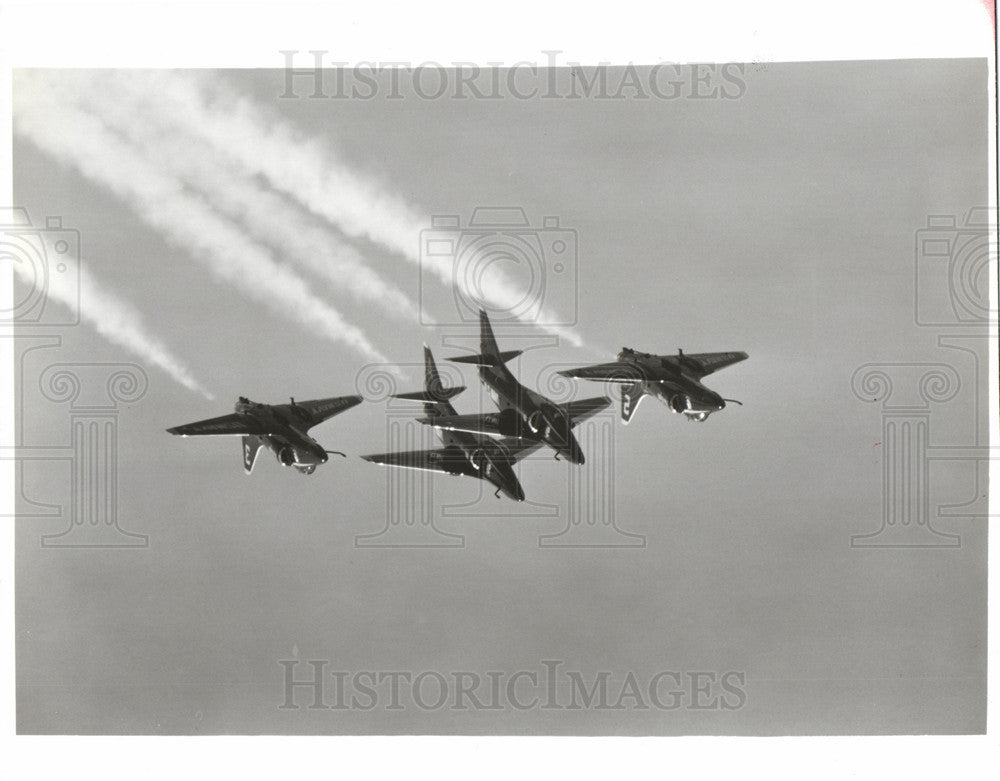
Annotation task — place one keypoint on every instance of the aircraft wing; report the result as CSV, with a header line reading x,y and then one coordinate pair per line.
x,y
449,460
712,362
578,411
227,425
319,410
616,371
488,423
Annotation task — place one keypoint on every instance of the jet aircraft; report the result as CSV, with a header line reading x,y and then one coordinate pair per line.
x,y
464,453
523,413
674,379
280,427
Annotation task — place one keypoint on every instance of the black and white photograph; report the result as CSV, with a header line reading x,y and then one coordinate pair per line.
x,y
563,395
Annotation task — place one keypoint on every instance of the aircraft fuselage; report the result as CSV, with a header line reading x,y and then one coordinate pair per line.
x,y
543,419
486,455
666,378
288,439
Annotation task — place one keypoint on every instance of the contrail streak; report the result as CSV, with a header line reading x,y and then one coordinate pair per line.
x,y
125,103
305,169
81,141
114,319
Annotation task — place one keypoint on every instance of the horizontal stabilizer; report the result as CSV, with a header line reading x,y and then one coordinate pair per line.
x,y
430,397
487,360
579,411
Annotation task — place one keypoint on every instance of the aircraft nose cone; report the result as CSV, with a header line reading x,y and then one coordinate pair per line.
x,y
711,402
510,485
573,453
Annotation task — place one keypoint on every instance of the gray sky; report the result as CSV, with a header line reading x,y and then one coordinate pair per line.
x,y
781,223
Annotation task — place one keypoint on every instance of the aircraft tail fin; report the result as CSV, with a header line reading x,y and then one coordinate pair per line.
x,y
631,396
432,378
434,396
252,443
488,342
490,354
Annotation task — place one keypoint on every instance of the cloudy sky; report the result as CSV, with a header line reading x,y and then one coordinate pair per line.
x,y
234,243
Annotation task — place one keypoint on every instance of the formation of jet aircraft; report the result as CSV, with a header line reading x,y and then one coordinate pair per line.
x,y
486,446
523,413
465,452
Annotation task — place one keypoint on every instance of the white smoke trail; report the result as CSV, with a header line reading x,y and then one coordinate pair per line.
x,y
114,319
306,169
79,140
125,102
